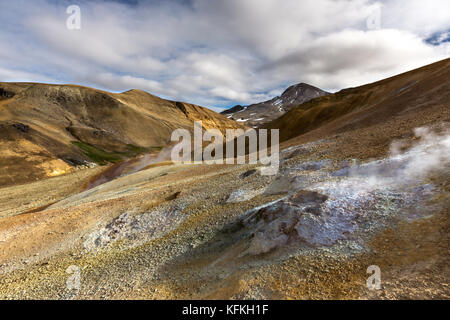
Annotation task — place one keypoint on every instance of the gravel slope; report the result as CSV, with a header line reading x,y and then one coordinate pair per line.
x,y
157,235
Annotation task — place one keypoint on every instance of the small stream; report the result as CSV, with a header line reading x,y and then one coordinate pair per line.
x,y
128,166
125,167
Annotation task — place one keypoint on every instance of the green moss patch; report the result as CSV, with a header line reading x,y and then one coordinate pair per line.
x,y
103,157
98,155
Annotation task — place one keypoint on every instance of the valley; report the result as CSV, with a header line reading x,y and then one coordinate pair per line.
x,y
363,180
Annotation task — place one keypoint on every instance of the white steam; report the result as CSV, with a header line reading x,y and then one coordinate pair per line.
x,y
431,152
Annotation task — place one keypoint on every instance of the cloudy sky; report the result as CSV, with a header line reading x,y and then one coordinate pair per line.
x,y
219,53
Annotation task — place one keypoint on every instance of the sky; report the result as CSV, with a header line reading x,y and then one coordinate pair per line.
x,y
219,53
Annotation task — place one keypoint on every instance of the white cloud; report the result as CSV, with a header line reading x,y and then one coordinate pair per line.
x,y
123,83
218,52
22,76
352,57
417,16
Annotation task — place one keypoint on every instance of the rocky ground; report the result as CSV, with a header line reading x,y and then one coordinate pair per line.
x,y
176,231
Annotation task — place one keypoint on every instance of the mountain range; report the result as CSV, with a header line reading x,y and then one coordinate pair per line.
x,y
257,114
48,129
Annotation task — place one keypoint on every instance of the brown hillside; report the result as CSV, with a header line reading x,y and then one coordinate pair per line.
x,y
47,129
372,114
